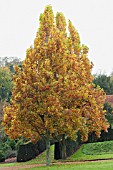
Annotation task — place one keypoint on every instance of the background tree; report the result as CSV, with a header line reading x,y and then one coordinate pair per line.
x,y
6,84
53,93
6,74
10,62
109,112
105,82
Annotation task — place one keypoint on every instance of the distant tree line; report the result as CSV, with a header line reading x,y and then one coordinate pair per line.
x,y
106,83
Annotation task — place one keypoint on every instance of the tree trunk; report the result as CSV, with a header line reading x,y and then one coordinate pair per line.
x,y
48,159
63,147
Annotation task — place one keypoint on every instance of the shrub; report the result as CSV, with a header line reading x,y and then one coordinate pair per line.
x,y
2,156
11,143
26,152
10,154
41,146
18,143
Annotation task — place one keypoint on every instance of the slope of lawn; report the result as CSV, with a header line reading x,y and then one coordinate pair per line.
x,y
91,151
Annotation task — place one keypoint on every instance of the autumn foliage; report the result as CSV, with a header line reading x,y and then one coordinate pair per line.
x,y
53,94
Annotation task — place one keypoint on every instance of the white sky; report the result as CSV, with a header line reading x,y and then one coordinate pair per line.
x,y
19,20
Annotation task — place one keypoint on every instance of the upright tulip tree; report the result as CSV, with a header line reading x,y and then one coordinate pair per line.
x,y
53,94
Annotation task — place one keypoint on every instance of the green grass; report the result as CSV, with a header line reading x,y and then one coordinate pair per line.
x,y
84,166
91,151
98,148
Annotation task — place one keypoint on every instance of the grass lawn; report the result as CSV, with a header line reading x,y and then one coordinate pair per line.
x,y
84,166
91,151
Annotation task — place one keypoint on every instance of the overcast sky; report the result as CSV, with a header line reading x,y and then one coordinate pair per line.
x,y
19,21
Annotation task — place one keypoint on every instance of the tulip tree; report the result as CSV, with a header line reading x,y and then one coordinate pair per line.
x,y
53,94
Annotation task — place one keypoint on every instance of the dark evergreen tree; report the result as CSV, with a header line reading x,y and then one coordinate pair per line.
x,y
105,82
